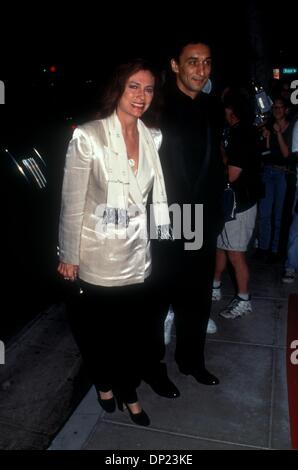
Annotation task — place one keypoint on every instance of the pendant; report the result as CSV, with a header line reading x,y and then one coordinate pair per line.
x,y
131,162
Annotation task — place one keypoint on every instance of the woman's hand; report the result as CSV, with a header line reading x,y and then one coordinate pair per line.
x,y
277,128
68,271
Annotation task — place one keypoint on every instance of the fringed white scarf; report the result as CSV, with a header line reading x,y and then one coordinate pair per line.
x,y
117,211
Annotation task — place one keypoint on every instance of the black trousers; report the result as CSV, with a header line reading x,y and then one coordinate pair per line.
x,y
111,328
184,279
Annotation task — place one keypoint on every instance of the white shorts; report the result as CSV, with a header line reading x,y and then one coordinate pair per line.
x,y
237,233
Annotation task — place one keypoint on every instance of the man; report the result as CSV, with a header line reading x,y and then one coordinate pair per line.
x,y
243,171
193,172
291,265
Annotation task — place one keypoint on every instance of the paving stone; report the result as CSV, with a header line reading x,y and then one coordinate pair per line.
x,y
280,420
237,410
112,436
258,327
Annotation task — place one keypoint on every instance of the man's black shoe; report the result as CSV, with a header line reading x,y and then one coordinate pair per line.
x,y
201,376
164,387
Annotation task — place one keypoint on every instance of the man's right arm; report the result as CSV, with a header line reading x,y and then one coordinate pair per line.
x,y
233,173
75,183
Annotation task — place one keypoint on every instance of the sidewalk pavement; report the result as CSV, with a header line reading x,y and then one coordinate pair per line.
x,y
44,401
247,410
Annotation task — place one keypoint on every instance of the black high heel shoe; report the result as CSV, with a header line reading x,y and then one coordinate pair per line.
x,y
108,405
141,418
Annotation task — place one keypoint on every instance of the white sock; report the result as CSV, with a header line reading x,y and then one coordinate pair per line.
x,y
216,284
243,296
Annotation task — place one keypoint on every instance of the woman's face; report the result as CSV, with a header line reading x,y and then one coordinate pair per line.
x,y
138,94
279,109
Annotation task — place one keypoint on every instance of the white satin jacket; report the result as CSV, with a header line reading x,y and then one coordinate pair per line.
x,y
103,257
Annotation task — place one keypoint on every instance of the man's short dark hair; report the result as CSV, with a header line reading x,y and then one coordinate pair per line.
x,y
238,102
185,40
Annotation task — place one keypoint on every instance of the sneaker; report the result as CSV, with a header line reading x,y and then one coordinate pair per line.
x,y
289,276
211,327
216,293
236,308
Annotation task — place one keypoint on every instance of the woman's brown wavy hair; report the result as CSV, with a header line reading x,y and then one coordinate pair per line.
x,y
116,86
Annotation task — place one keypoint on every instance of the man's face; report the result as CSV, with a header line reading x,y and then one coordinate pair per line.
x,y
193,68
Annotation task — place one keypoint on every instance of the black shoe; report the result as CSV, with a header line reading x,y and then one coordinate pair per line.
x,y
201,376
141,418
108,405
164,387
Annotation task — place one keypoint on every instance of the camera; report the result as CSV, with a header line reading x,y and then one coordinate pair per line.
x,y
262,104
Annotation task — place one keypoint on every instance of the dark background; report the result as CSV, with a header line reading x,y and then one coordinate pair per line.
x,y
84,45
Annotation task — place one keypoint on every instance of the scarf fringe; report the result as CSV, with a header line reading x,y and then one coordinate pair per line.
x,y
164,232
120,217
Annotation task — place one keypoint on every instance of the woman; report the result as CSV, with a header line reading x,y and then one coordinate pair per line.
x,y
277,138
111,167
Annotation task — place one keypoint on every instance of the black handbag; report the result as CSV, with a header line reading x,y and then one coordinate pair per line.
x,y
229,203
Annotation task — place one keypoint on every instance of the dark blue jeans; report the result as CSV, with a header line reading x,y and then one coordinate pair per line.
x,y
271,208
292,257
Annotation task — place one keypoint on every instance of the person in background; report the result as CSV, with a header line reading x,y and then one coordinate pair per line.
x,y
291,264
277,136
242,172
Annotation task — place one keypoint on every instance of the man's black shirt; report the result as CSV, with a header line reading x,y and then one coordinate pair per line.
x,y
190,153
